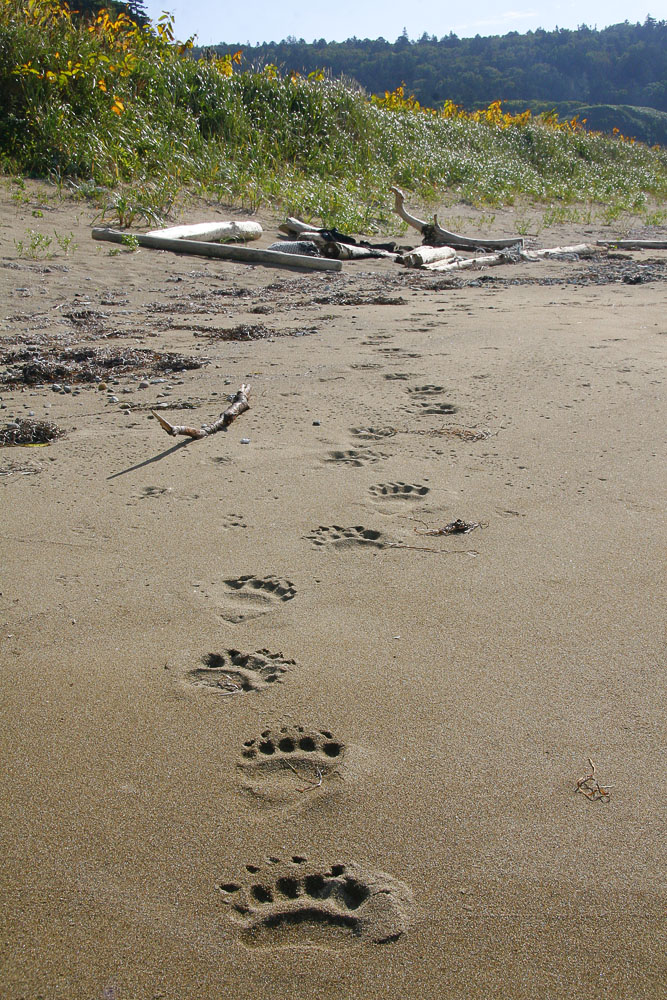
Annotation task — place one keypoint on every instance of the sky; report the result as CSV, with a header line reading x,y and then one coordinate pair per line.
x,y
256,21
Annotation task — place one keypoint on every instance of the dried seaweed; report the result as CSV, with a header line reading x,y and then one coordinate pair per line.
x,y
340,298
33,365
457,527
248,331
27,431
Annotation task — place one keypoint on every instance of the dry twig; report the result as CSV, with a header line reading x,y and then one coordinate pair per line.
x,y
311,784
591,787
238,405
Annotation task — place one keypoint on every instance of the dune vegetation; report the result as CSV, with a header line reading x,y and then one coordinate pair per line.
x,y
126,113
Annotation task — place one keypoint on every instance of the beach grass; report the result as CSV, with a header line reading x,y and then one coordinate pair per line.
x,y
128,115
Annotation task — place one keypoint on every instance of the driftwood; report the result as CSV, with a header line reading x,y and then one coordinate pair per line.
x,y
334,249
212,231
426,255
580,249
634,244
346,251
489,260
486,260
294,227
238,405
442,237
247,255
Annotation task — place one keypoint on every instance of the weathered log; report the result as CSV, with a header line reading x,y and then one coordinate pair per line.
x,y
471,243
399,208
346,251
238,405
580,249
294,227
426,255
634,244
247,255
489,260
212,231
486,260
442,237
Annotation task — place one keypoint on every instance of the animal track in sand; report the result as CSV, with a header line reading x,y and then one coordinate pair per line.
x,y
334,536
232,521
373,433
398,376
247,597
426,390
234,672
296,904
355,457
399,491
279,766
434,406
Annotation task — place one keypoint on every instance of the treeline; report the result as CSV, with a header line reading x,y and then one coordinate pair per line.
x,y
622,64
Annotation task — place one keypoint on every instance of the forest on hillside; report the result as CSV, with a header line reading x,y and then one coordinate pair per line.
x,y
622,64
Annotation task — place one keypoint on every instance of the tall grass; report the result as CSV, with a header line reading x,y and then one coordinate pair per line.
x,y
125,105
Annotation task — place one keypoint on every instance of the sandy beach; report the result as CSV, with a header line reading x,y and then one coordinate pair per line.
x,y
266,730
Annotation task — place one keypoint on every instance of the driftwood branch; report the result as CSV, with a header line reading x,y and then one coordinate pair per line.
x,y
399,208
238,405
440,236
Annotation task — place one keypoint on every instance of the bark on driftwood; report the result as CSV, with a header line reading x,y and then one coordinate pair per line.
x,y
442,237
238,405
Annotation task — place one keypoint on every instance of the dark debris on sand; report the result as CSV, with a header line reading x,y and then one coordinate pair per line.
x,y
27,431
33,365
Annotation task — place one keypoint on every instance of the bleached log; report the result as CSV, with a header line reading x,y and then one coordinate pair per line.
x,y
472,243
294,227
243,231
486,260
426,255
580,249
399,208
238,405
634,244
442,237
247,255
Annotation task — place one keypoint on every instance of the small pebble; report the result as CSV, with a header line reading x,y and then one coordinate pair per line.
x,y
113,399
245,440
316,423
102,387
144,384
56,387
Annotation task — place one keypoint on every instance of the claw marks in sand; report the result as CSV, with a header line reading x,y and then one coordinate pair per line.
x,y
296,904
335,537
234,672
246,597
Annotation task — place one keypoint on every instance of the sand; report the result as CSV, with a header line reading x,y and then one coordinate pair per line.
x,y
265,737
